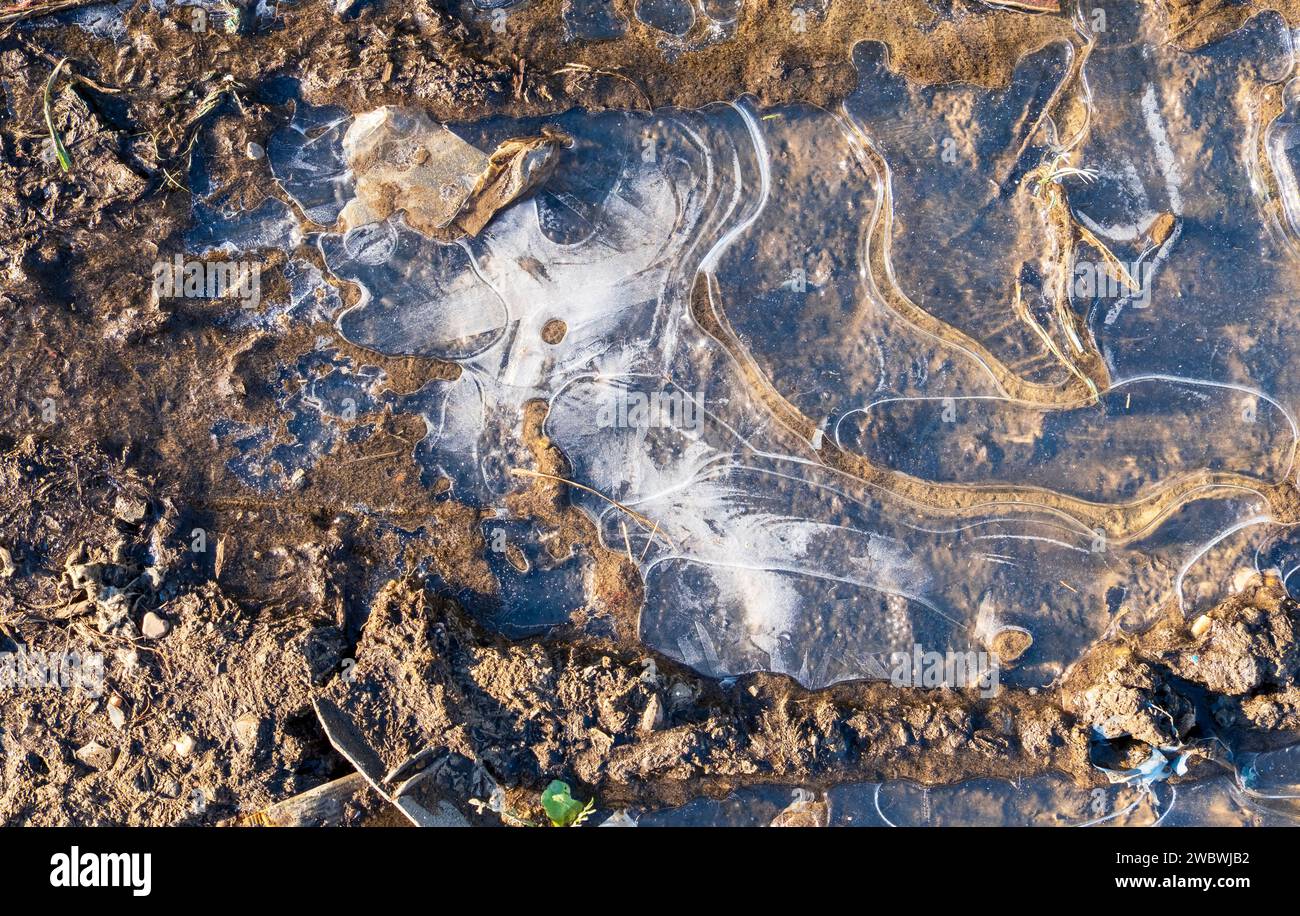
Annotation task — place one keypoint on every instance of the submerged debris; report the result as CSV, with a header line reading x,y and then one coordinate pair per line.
x,y
445,187
514,169
806,810
1033,6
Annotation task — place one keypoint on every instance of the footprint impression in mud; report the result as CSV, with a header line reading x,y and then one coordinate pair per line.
x,y
832,378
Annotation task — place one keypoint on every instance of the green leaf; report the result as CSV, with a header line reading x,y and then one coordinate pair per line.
x,y
65,161
560,806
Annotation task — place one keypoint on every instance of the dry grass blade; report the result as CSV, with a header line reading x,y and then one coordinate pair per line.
x,y
650,540
1115,266
627,541
23,11
649,525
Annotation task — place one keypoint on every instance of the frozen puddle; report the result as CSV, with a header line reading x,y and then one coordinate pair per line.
x,y
1263,790
947,367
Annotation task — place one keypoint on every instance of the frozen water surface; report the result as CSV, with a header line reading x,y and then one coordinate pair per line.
x,y
1263,790
942,363
592,20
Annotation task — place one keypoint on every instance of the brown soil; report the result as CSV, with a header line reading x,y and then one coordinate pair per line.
x,y
429,679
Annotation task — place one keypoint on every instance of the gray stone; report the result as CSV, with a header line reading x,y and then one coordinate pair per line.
x,y
154,627
652,718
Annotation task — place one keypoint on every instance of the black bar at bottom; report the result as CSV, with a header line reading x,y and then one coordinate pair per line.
x,y
329,867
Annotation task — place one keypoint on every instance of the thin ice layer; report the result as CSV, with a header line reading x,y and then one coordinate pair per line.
x,y
749,386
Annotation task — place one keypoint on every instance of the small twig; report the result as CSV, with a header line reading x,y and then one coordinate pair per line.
x,y
627,542
645,522
650,540
370,457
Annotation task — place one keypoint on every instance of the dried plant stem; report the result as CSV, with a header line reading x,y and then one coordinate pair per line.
x,y
32,11
627,542
651,526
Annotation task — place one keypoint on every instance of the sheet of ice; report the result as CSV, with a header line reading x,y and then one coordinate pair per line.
x,y
592,20
103,20
1178,135
1269,784
755,806
321,387
960,227
310,300
269,225
674,17
536,590
1047,801
829,362
1264,794
309,162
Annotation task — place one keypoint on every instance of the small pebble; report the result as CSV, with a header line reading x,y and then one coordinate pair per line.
x,y
247,727
254,150
154,626
184,746
96,756
652,718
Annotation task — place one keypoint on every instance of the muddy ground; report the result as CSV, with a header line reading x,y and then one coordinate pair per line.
x,y
225,615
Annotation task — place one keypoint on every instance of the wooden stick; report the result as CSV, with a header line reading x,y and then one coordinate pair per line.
x,y
647,523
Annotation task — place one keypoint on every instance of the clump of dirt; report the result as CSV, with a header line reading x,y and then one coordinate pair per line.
x,y
636,729
1229,674
197,706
